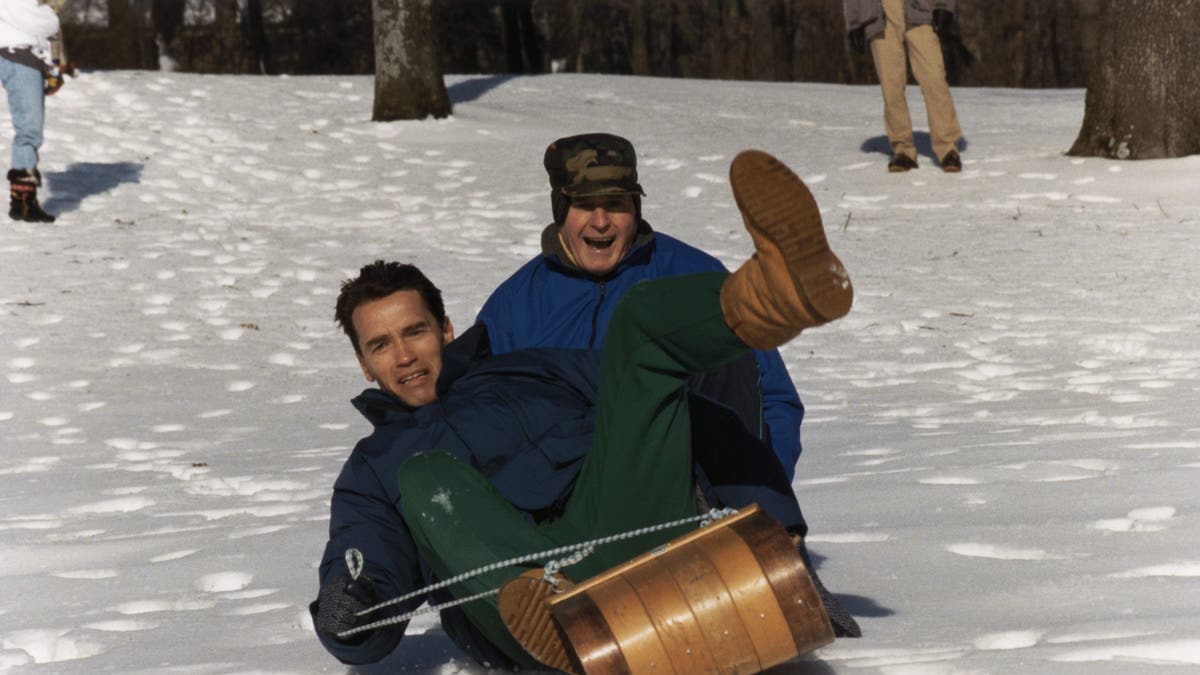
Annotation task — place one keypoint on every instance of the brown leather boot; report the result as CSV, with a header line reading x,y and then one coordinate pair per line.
x,y
793,281
22,192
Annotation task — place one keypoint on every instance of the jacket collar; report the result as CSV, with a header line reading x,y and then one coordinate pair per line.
x,y
557,256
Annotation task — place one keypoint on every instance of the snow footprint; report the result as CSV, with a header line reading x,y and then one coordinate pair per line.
x,y
1151,519
976,550
48,645
223,582
1017,639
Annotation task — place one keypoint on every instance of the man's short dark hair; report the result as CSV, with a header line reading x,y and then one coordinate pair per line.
x,y
379,280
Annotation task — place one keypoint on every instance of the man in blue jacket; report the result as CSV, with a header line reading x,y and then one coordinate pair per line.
x,y
596,249
477,458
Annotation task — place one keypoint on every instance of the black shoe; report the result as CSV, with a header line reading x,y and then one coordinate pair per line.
x,y
952,163
843,624
23,201
901,163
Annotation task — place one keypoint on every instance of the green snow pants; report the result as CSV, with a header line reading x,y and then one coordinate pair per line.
x,y
637,473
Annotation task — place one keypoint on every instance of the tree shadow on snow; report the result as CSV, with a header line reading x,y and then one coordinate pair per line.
x,y
469,90
83,179
921,139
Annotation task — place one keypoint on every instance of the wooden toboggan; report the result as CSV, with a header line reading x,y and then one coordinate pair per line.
x,y
732,597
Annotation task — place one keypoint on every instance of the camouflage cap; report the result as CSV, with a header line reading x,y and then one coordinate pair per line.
x,y
592,164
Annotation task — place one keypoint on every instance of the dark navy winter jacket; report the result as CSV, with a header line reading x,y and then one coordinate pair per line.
x,y
551,303
523,419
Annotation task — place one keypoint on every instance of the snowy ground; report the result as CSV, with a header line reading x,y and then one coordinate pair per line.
x,y
1002,443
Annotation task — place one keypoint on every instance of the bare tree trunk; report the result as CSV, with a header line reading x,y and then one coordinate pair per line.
x,y
167,17
408,76
1143,96
519,38
227,35
126,28
256,36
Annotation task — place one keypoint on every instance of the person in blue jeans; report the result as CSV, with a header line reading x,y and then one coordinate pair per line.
x,y
26,27
596,249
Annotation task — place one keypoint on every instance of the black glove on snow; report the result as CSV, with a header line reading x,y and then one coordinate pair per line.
x,y
339,601
943,24
858,40
843,624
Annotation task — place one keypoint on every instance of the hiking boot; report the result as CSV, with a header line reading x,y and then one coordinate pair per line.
x,y
952,163
901,163
23,202
793,281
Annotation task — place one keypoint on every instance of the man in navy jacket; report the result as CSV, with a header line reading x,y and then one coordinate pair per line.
x,y
475,456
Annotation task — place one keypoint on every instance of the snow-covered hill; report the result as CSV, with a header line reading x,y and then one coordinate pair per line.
x,y
1002,441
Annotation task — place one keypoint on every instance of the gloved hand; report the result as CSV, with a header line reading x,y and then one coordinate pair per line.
x,y
943,24
56,77
339,601
858,39
842,622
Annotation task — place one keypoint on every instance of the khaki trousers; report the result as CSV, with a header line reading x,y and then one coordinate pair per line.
x,y
919,46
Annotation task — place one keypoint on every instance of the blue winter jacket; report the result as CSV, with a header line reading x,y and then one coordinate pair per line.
x,y
549,302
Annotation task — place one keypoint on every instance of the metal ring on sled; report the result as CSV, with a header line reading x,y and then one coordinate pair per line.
x,y
733,597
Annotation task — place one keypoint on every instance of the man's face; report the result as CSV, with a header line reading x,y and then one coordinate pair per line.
x,y
400,346
599,230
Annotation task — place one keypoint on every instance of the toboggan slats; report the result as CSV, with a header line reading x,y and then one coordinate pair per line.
x,y
733,597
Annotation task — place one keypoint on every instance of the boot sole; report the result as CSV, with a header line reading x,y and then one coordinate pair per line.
x,y
780,207
525,612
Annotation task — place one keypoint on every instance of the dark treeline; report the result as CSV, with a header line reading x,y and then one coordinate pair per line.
x,y
1017,43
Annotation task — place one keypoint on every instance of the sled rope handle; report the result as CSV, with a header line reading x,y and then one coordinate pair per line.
x,y
578,552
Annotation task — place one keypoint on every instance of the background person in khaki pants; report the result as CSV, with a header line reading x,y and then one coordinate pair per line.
x,y
903,32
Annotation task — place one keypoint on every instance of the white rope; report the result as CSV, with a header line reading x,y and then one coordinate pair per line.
x,y
577,553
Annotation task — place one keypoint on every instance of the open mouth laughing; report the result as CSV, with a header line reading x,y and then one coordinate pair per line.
x,y
599,243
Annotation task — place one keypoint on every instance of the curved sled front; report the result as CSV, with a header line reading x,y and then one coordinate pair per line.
x,y
733,597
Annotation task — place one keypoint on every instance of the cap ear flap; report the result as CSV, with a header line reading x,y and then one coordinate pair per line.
x,y
559,205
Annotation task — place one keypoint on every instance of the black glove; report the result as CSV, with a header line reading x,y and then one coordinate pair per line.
x,y
55,76
858,39
943,24
339,601
843,624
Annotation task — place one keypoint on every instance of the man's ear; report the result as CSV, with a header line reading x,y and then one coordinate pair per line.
x,y
363,364
448,332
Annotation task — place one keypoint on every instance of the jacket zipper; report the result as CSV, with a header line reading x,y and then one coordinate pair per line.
x,y
596,316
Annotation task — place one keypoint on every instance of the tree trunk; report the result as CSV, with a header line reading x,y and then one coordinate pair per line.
x,y
123,23
167,17
408,76
256,36
1143,95
522,53
227,34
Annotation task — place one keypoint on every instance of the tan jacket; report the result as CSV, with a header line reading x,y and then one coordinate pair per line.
x,y
869,14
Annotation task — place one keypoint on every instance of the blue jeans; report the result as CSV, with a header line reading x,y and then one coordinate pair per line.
x,y
27,105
